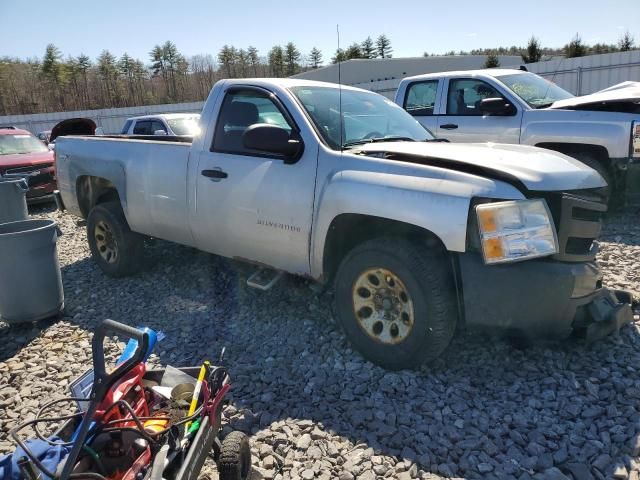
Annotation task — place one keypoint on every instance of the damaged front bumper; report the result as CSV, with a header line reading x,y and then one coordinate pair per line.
x,y
540,298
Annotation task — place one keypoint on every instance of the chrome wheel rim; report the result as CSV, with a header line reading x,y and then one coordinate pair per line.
x,y
106,242
383,306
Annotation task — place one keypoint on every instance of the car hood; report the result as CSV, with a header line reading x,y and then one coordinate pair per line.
x,y
25,159
535,168
625,92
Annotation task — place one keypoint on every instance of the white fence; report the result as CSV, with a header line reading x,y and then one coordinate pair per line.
x,y
579,76
110,119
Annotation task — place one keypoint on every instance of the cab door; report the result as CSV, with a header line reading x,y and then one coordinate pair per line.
x,y
250,205
462,120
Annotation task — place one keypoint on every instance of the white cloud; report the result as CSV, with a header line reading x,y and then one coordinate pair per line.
x,y
471,34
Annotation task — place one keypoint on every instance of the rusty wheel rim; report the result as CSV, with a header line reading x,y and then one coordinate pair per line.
x,y
106,242
383,306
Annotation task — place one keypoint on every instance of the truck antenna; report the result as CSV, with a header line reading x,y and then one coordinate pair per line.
x,y
340,89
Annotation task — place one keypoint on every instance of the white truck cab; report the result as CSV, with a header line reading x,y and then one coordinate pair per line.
x,y
601,130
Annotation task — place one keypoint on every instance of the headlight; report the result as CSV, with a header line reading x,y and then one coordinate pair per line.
x,y
516,230
635,139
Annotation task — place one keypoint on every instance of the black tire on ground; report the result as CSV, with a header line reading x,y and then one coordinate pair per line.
x,y
592,161
234,462
426,275
127,245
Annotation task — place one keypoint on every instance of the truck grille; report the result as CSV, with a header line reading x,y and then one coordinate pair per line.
x,y
38,179
578,219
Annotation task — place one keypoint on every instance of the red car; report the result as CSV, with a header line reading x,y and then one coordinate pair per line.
x,y
21,152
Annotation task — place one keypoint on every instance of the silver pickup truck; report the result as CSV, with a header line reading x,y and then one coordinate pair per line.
x,y
514,106
344,187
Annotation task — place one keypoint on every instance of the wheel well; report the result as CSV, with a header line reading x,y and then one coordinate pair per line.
x,y
349,230
599,152
94,190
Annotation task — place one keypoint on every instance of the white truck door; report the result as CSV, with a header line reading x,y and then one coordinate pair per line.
x,y
461,119
248,206
421,99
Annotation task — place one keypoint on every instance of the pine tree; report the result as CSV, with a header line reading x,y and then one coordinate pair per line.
x,y
575,48
353,51
292,59
227,58
242,61
339,56
534,51
626,42
254,60
315,58
368,49
276,61
383,44
492,60
108,71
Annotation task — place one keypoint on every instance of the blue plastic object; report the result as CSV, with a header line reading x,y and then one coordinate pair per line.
x,y
130,349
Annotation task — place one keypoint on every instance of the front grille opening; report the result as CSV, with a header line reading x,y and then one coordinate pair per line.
x,y
578,246
580,213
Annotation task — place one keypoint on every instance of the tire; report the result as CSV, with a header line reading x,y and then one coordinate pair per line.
x,y
429,302
109,232
234,462
591,161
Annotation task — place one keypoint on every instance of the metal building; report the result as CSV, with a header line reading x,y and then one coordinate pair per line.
x,y
383,75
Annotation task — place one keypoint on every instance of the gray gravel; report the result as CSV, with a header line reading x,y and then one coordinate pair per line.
x,y
315,409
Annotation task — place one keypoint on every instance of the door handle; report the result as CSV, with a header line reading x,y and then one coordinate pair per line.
x,y
449,126
216,174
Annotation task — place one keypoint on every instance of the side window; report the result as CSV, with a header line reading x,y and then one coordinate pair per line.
x,y
240,110
142,127
465,95
421,98
157,125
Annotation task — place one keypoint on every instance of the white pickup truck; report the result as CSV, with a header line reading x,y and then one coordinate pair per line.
x,y
515,106
344,187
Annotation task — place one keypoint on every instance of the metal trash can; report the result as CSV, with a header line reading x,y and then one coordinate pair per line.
x,y
13,202
30,278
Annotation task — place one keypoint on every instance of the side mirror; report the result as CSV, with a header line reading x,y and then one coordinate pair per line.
x,y
159,132
496,106
268,138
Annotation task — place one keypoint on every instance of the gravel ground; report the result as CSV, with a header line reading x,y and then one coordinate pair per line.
x,y
315,409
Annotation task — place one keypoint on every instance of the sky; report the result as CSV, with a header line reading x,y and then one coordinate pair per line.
x,y
203,26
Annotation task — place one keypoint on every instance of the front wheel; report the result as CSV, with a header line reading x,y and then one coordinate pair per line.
x,y
114,247
396,302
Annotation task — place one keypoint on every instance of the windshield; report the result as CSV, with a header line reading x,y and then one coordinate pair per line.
x,y
367,117
534,90
19,144
185,126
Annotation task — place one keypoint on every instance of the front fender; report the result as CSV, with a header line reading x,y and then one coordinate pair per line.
x,y
577,128
439,204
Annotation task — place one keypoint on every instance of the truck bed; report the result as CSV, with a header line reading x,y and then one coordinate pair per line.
x,y
153,191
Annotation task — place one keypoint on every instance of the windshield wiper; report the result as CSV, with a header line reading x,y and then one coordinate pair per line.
x,y
379,139
543,105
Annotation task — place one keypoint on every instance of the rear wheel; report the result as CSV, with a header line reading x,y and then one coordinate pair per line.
x,y
396,302
114,247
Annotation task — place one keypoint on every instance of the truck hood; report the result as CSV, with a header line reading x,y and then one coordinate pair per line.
x,y
25,159
623,97
535,168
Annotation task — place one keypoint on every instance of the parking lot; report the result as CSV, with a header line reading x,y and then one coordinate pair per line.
x,y
486,409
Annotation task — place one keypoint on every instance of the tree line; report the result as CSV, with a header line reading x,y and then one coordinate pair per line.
x,y
534,52
54,83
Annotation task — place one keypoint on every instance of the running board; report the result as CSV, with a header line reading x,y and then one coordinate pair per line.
x,y
264,278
